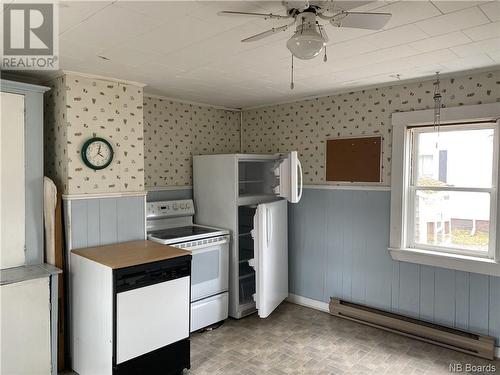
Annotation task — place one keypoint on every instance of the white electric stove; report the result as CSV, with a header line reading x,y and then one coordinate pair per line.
x,y
171,223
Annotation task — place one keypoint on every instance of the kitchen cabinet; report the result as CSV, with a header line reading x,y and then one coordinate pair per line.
x,y
28,287
21,139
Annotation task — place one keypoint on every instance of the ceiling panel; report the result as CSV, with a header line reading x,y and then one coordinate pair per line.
x,y
110,26
454,21
472,61
68,47
165,11
442,41
176,34
396,36
75,12
490,30
447,6
492,10
372,5
484,46
405,12
340,34
495,56
130,56
186,51
350,48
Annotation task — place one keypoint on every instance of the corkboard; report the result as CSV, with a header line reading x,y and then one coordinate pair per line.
x,y
353,159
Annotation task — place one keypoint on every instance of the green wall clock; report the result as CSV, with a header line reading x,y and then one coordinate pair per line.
x,y
97,153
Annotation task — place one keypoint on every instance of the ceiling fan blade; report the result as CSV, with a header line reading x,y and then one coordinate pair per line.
x,y
360,20
265,34
250,14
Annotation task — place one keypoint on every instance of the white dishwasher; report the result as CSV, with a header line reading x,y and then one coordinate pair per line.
x,y
130,309
152,308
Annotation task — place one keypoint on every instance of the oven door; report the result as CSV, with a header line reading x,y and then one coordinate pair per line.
x,y
209,268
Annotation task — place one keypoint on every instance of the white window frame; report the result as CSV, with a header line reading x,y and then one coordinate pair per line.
x,y
492,191
401,247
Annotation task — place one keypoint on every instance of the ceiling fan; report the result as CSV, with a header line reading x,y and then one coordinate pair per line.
x,y
310,37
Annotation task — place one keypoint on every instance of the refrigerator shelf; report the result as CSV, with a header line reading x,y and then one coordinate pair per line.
x,y
250,199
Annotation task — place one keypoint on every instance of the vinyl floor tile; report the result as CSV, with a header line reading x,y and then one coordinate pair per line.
x,y
302,341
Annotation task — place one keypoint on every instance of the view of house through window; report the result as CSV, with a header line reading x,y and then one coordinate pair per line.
x,y
451,188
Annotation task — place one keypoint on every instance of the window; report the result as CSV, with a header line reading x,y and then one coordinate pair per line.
x,y
451,189
444,189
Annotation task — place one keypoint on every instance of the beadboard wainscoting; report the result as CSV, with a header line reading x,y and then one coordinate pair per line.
x,y
105,220
338,242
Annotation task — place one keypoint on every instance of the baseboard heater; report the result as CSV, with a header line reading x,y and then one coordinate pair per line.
x,y
451,338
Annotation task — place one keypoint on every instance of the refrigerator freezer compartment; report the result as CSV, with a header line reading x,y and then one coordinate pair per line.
x,y
256,177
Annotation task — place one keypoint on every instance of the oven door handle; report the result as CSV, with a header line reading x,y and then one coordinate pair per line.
x,y
206,246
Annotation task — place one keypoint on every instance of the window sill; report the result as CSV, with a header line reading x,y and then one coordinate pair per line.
x,y
452,261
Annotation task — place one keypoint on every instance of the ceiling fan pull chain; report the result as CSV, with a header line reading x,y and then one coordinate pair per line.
x,y
291,82
320,28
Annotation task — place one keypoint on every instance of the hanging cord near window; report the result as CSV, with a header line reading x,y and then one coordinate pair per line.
x,y
437,105
437,101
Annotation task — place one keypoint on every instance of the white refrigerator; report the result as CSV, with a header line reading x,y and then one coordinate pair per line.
x,y
248,194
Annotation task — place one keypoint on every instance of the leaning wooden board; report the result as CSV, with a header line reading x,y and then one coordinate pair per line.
x,y
59,262
127,254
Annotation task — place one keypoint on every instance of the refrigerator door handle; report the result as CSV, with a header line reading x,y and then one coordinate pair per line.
x,y
269,227
301,180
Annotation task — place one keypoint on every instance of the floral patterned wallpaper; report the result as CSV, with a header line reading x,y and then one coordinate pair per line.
x,y
306,125
79,108
175,131
159,153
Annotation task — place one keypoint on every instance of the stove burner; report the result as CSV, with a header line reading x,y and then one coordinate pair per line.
x,y
172,233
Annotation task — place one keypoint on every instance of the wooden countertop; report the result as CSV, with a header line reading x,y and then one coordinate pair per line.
x,y
126,254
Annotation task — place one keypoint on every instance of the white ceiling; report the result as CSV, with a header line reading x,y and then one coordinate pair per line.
x,y
184,50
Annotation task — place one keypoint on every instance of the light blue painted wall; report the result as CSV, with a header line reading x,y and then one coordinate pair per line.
x,y
103,221
338,243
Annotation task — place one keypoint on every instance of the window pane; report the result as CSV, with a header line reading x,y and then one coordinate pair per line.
x,y
455,158
457,220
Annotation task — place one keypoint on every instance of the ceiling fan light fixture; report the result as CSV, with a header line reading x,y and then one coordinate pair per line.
x,y
306,44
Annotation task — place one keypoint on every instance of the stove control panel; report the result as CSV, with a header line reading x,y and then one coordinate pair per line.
x,y
164,209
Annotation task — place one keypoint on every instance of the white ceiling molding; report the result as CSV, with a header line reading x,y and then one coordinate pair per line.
x,y
177,100
380,85
103,78
31,78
